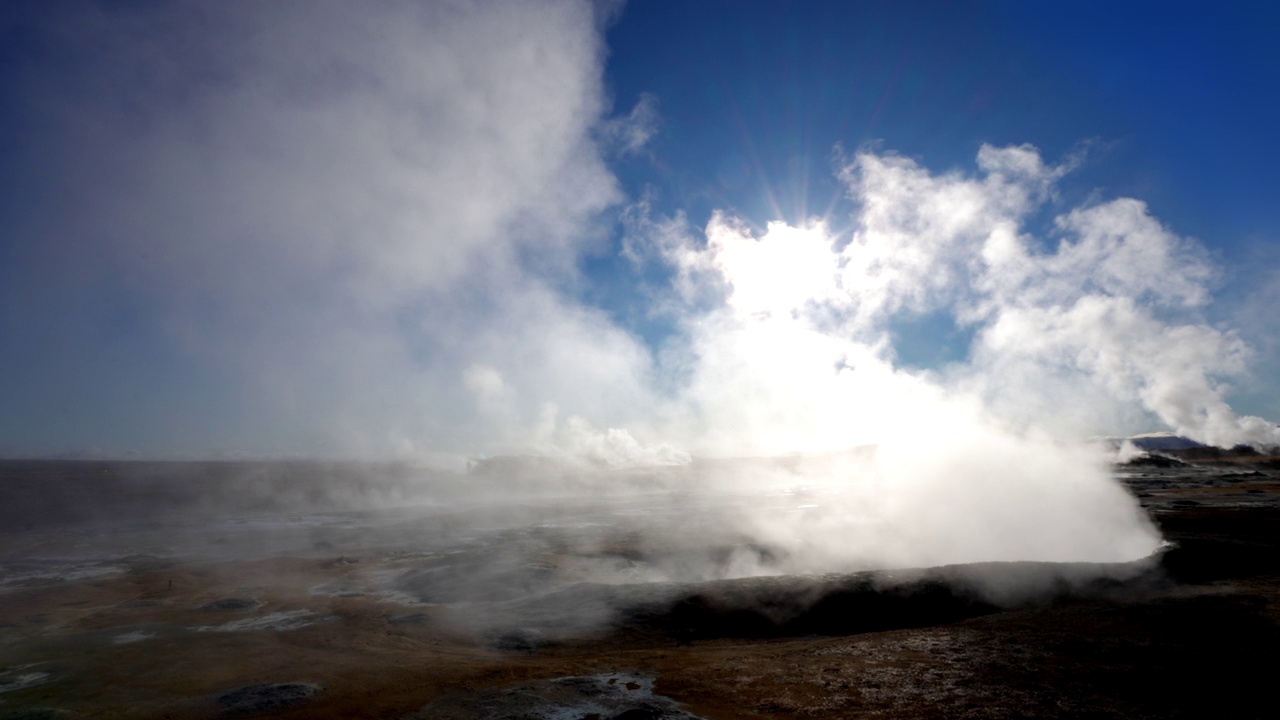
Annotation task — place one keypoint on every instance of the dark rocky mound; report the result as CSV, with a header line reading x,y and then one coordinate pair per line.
x,y
608,696
1240,455
795,606
265,697
841,611
1156,461
875,602
1164,442
224,604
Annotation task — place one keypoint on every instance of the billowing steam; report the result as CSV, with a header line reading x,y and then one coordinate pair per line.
x,y
1075,332
358,230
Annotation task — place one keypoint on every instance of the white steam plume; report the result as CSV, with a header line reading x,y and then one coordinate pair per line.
x,y
1097,329
790,346
370,217
343,210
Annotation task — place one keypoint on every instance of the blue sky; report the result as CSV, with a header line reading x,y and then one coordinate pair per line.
x,y
776,86
286,230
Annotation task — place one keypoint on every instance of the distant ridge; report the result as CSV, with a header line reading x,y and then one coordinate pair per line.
x,y
1150,442
1163,441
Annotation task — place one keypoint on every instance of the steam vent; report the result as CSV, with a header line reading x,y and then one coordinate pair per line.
x,y
605,360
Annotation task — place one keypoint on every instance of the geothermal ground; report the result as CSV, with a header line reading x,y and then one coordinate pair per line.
x,y
153,590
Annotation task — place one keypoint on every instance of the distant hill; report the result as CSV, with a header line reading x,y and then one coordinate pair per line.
x,y
1165,449
1150,442
1163,441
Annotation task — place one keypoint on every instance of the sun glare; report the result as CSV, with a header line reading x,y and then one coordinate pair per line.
x,y
779,272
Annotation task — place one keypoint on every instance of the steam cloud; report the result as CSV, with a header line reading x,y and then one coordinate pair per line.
x,y
372,217
1072,339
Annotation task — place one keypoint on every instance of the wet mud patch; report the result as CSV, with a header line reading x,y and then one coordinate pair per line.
x,y
337,590
39,573
21,677
231,604
132,636
265,697
281,621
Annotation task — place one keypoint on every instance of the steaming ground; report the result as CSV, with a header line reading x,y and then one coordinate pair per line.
x,y
400,230
184,589
515,529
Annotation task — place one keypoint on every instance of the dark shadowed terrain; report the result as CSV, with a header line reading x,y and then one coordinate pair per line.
x,y
154,590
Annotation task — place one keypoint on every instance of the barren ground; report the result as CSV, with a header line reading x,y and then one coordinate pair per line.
x,y
94,625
